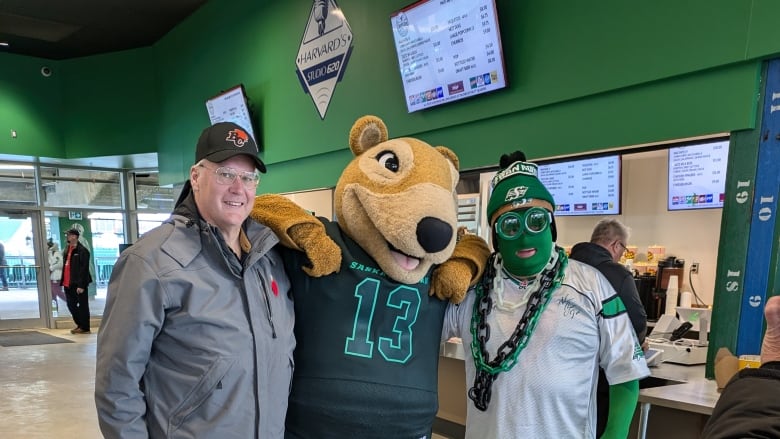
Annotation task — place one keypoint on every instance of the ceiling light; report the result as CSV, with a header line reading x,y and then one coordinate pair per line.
x,y
4,43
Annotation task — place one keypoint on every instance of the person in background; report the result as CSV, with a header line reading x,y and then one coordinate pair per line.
x,y
749,407
197,337
3,276
607,244
55,273
75,280
538,326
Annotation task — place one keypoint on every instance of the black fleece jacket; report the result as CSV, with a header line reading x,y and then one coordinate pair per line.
x,y
619,277
748,407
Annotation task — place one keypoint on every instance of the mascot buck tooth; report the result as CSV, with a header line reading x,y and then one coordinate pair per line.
x,y
370,301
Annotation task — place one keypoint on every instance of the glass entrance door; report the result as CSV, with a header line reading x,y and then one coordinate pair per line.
x,y
24,278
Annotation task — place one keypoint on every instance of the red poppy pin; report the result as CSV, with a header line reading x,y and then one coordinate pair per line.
x,y
274,287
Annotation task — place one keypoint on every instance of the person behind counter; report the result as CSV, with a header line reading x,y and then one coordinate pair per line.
x,y
607,244
538,326
749,407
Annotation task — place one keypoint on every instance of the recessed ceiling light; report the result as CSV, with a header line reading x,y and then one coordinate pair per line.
x,y
4,43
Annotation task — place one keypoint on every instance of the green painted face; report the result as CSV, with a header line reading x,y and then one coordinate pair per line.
x,y
524,240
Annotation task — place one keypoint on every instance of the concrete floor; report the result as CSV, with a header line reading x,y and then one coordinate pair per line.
x,y
22,303
46,391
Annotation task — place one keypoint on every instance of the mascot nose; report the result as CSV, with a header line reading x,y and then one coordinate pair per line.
x,y
433,234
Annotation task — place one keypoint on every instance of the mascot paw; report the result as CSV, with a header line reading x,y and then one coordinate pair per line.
x,y
451,280
323,253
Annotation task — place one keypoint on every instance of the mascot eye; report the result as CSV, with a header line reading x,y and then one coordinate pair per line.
x,y
389,160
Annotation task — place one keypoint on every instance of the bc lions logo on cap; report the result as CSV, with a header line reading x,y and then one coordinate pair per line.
x,y
238,137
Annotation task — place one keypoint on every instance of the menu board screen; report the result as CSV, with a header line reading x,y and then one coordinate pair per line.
x,y
231,106
588,186
697,175
447,50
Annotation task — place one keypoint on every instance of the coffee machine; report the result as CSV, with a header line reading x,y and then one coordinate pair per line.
x,y
652,287
645,285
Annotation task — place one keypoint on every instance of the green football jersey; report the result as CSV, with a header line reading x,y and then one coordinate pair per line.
x,y
366,361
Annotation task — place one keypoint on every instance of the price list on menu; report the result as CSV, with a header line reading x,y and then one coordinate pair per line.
x,y
448,50
230,106
584,187
697,175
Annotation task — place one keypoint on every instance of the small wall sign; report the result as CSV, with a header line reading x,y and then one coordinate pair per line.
x,y
74,215
324,52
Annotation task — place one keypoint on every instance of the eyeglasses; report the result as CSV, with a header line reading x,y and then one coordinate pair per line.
x,y
622,245
512,224
226,175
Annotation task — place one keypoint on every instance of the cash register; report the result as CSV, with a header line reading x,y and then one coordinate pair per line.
x,y
669,337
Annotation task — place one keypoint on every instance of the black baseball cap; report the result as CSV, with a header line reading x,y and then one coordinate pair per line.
x,y
224,140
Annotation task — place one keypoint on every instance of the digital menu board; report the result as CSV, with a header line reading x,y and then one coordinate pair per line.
x,y
447,50
231,106
697,175
589,186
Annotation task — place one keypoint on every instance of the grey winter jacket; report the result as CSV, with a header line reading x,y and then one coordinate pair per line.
x,y
188,346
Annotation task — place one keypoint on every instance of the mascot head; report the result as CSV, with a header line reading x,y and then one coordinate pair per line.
x,y
397,200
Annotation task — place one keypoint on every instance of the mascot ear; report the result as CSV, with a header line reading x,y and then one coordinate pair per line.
x,y
367,131
449,155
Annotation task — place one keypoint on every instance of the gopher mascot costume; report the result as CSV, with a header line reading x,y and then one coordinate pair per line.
x,y
370,301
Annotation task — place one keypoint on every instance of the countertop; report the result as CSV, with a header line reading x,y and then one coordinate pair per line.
x,y
695,394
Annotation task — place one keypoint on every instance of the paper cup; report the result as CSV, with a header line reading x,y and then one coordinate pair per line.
x,y
749,361
686,299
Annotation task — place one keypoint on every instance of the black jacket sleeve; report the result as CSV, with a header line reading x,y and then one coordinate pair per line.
x,y
79,267
748,407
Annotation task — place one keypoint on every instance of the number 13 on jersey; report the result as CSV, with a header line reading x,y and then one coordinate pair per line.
x,y
396,345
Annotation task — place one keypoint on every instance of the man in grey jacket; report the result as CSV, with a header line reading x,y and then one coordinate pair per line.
x,y
197,335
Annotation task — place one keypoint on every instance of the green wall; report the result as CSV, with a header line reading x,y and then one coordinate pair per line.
x,y
582,77
111,104
31,105
93,106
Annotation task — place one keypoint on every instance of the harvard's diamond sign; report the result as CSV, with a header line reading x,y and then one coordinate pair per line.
x,y
324,52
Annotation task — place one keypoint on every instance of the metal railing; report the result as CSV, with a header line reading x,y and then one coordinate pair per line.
x,y
22,272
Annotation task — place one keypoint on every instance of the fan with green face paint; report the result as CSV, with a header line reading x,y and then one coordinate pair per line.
x,y
520,210
524,239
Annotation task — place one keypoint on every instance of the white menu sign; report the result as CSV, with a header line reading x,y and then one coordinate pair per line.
x,y
448,50
584,187
697,175
230,106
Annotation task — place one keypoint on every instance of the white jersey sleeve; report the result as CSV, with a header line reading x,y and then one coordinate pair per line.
x,y
620,354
